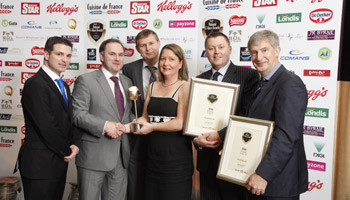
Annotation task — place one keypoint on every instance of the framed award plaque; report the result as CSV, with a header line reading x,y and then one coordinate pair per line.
x,y
245,145
210,105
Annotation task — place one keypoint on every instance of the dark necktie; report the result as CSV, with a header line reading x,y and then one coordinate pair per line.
x,y
261,84
61,86
153,77
118,96
215,76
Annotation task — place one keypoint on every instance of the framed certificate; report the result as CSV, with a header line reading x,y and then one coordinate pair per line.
x,y
245,145
210,105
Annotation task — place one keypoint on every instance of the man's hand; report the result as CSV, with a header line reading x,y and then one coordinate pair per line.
x,y
114,129
256,184
208,140
75,151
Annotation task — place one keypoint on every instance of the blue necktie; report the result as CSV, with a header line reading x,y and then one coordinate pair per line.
x,y
261,84
215,76
61,85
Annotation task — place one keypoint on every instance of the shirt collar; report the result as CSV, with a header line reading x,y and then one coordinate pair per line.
x,y
272,72
49,72
108,74
145,65
222,70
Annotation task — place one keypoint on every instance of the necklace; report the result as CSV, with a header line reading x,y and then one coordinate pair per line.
x,y
169,84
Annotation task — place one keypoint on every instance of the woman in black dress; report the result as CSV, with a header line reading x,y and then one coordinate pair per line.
x,y
169,166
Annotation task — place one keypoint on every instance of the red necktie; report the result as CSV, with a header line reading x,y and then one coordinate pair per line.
x,y
118,96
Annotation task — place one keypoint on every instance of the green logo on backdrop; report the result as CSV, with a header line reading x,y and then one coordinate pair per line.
x,y
317,112
8,129
288,18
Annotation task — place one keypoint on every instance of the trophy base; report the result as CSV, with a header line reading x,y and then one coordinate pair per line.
x,y
135,127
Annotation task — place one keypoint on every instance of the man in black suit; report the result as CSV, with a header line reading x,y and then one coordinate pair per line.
x,y
281,96
142,72
218,51
47,108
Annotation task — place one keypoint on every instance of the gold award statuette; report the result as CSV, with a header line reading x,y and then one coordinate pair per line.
x,y
134,93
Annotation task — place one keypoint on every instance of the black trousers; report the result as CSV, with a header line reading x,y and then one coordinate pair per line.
x,y
45,189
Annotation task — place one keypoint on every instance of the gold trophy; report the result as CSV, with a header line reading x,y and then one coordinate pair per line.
x,y
134,93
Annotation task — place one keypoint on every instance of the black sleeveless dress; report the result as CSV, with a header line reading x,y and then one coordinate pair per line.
x,y
169,155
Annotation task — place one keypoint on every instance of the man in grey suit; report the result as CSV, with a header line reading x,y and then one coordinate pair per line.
x,y
218,50
142,72
101,107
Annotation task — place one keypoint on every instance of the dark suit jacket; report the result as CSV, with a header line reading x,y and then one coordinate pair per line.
x,y
247,79
48,123
133,71
283,100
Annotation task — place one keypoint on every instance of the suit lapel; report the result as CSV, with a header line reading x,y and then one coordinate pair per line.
x,y
101,79
267,88
54,88
230,73
125,87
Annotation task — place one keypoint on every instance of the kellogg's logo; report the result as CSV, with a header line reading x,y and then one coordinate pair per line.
x,y
264,3
320,16
317,72
129,52
172,6
315,185
30,8
139,24
235,20
25,76
314,94
59,8
32,63
140,7
37,50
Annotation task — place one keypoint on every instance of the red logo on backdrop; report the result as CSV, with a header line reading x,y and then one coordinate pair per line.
x,y
320,16
13,63
37,50
112,12
139,24
171,5
314,94
61,9
93,66
69,81
25,76
314,1
264,3
322,73
129,52
234,5
315,185
140,7
23,131
237,21
32,63
30,8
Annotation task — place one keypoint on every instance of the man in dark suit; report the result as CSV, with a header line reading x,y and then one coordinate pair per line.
x,y
281,96
47,108
218,51
142,72
100,106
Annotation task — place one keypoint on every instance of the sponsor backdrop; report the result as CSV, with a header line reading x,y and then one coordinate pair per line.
x,y
309,33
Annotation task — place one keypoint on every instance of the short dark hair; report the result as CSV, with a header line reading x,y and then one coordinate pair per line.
x,y
145,33
104,44
56,40
177,50
215,35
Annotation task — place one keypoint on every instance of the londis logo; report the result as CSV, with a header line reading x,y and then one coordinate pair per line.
x,y
264,3
317,112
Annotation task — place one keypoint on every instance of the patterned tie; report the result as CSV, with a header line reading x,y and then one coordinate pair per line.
x,y
153,76
261,84
61,86
118,96
215,77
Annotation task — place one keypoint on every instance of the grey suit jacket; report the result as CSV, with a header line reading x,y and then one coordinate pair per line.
x,y
133,70
93,105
